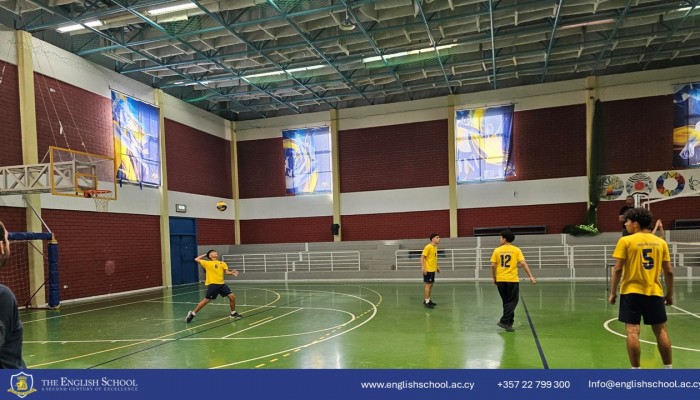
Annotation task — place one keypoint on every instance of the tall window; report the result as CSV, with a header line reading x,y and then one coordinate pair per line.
x,y
307,160
484,144
686,127
136,140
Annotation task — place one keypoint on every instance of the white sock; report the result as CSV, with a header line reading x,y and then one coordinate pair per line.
x,y
427,300
635,367
194,313
668,366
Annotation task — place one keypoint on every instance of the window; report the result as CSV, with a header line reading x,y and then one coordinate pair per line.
x,y
307,160
484,144
136,140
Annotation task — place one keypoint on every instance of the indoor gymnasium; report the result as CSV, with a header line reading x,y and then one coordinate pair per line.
x,y
318,148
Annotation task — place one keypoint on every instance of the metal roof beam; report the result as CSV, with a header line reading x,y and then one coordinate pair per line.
x,y
693,5
311,44
433,44
557,18
252,47
618,24
194,49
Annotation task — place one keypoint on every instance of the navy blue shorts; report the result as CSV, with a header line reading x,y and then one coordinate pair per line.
x,y
221,290
634,306
429,277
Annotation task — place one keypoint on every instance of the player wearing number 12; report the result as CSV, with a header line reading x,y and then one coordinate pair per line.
x,y
504,267
640,258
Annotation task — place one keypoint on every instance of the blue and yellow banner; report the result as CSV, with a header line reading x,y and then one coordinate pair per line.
x,y
484,144
136,140
370,384
307,160
686,126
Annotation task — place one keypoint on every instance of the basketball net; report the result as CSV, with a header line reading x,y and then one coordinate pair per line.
x,y
100,197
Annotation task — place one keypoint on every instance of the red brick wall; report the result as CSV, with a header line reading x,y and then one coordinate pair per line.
x,y
86,118
550,143
10,132
105,253
261,168
405,225
638,135
198,162
393,157
286,230
555,216
215,231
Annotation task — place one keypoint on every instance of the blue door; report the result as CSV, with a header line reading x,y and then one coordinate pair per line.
x,y
183,250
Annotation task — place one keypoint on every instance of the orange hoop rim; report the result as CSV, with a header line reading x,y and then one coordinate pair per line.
x,y
95,192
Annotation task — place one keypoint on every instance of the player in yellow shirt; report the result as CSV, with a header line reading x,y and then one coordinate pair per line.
x,y
640,258
429,266
215,271
504,268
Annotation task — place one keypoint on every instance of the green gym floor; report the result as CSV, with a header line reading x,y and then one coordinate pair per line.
x,y
355,325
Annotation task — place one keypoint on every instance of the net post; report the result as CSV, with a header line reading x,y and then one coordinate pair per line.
x,y
54,287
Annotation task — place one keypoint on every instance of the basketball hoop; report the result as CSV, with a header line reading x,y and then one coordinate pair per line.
x,y
101,198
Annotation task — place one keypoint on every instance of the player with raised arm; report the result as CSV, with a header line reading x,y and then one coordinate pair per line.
x,y
216,286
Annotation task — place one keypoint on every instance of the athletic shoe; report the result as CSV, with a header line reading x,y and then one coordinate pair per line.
x,y
236,315
507,327
190,317
431,303
428,305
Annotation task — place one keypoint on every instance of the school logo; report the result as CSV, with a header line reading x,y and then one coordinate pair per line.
x,y
21,385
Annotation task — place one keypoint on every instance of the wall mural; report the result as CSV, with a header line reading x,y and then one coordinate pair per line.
x,y
653,184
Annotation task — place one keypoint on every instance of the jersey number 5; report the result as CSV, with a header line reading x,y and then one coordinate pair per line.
x,y
648,260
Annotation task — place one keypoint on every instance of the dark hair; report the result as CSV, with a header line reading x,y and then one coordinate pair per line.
x,y
432,236
640,215
209,252
508,235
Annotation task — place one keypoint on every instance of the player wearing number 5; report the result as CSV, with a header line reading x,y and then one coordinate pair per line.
x,y
504,268
640,258
216,286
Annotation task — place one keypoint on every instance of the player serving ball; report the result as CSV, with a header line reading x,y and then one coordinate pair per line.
x,y
215,271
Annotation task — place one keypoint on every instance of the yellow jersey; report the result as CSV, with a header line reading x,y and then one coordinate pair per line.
x,y
430,253
642,255
506,258
215,271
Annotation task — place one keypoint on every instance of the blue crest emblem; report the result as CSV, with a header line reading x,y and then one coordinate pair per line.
x,y
21,385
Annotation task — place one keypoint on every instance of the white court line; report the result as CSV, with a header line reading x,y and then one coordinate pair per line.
x,y
297,348
606,325
685,311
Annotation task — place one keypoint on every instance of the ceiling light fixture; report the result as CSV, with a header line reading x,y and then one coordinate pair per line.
x,y
406,53
346,24
171,9
77,27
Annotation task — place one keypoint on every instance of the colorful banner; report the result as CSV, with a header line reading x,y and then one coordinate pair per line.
x,y
307,160
484,144
369,384
652,185
686,126
136,140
